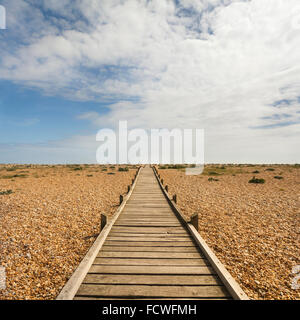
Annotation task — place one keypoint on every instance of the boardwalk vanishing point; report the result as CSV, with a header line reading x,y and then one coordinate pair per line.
x,y
148,251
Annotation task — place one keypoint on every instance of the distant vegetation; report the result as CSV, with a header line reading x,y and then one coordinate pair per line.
x,y
77,168
278,177
256,180
176,166
12,169
14,176
123,169
213,179
213,173
6,192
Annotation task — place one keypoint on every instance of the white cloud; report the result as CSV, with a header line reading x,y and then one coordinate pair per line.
x,y
216,64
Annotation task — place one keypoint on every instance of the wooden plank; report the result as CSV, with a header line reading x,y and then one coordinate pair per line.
x,y
148,219
142,254
148,198
152,196
150,243
149,262
151,270
158,196
147,239
148,210
152,224
149,213
157,235
148,193
150,205
152,298
116,248
151,291
158,230
159,203
148,216
152,192
151,279
140,190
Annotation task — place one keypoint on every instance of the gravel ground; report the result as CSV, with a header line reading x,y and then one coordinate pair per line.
x,y
49,221
252,228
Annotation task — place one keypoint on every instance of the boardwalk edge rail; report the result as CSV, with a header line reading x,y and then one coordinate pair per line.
x,y
71,287
230,283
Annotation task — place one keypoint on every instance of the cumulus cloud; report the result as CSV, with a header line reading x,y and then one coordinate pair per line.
x,y
228,66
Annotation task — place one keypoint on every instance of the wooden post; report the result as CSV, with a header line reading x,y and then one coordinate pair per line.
x,y
167,188
121,199
175,198
195,221
128,189
162,181
103,221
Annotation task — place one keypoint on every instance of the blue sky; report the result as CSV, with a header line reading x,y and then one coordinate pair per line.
x,y
28,116
69,68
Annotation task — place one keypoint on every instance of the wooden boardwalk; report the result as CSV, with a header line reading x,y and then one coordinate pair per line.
x,y
149,254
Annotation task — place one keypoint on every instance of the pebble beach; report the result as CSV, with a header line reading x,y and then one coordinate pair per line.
x,y
49,218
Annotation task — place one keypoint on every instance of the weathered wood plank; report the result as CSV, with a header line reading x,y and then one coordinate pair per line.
x,y
152,291
147,222
158,229
152,298
148,214
146,235
151,270
150,224
149,244
151,279
150,201
149,262
152,205
147,239
149,255
161,211
116,248
146,219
